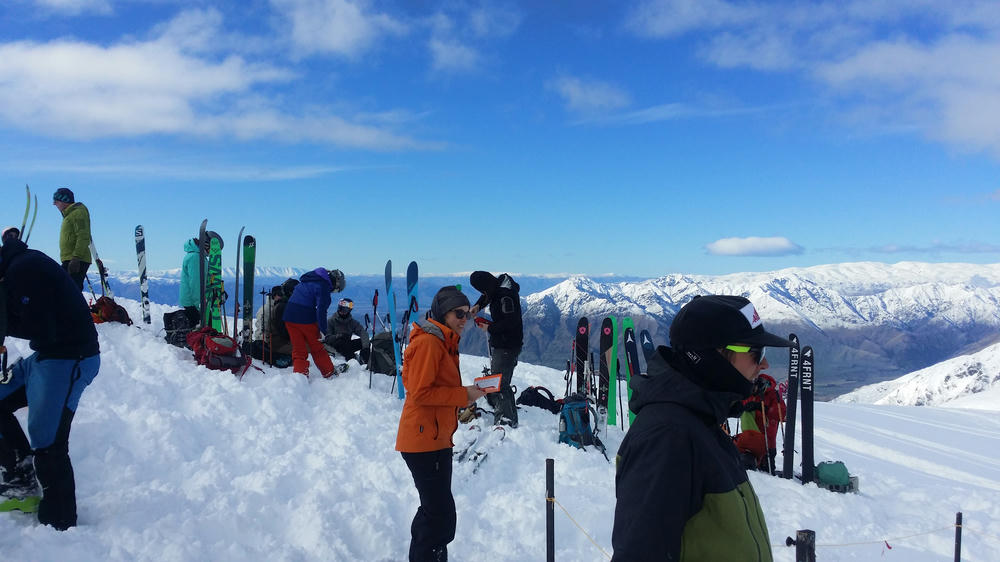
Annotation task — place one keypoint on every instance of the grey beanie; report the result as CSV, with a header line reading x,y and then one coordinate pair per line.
x,y
446,299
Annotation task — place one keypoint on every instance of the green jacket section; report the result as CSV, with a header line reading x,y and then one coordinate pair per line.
x,y
74,236
681,491
190,276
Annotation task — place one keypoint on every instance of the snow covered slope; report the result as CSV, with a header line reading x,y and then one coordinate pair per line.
x,y
971,381
178,463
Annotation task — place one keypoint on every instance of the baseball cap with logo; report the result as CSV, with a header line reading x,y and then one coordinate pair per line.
x,y
714,321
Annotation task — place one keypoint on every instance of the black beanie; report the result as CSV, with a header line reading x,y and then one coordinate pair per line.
x,y
64,195
446,299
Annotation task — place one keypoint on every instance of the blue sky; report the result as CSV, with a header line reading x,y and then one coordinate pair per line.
x,y
639,138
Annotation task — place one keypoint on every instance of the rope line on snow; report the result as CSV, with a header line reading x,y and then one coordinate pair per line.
x,y
582,530
879,541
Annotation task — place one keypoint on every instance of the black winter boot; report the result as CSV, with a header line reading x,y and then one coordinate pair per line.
x,y
55,474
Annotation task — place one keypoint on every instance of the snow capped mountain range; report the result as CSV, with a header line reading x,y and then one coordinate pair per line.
x,y
867,322
968,381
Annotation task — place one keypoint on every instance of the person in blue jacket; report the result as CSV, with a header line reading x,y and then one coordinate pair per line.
x,y
305,319
39,302
190,297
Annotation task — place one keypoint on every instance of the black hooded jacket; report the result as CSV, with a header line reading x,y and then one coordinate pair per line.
x,y
44,306
682,493
502,295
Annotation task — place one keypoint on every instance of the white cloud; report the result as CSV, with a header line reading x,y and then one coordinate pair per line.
x,y
188,171
493,20
669,18
450,56
78,90
915,65
340,27
587,96
75,7
754,246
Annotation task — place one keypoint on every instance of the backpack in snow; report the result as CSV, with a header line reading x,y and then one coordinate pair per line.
x,y
177,326
107,310
540,397
383,359
834,476
574,422
217,351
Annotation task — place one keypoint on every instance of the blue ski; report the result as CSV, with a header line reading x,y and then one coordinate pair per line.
x,y
392,328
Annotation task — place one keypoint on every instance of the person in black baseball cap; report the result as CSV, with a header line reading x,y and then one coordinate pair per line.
x,y
679,478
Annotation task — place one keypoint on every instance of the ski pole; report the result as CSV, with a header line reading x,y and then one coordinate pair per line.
x,y
92,293
767,452
618,383
371,342
34,215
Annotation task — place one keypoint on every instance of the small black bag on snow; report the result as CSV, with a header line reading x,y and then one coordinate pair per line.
x,y
177,326
383,358
540,397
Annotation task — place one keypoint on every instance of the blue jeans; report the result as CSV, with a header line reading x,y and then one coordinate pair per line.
x,y
51,390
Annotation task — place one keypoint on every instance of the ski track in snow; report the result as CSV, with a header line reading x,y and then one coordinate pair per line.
x,y
175,462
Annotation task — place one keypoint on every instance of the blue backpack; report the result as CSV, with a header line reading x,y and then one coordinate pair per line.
x,y
574,422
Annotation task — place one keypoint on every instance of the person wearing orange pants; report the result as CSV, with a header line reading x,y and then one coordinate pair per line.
x,y
305,340
305,318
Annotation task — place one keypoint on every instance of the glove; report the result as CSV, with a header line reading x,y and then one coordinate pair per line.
x,y
752,406
480,321
74,266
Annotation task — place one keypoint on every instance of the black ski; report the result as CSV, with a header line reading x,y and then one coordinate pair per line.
x,y
631,359
807,382
202,257
140,252
236,288
582,347
646,342
788,452
604,373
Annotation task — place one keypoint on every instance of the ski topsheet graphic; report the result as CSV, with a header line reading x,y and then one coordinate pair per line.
x,y
788,451
140,252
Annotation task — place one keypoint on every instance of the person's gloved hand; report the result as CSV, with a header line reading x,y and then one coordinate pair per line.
x,y
752,406
74,266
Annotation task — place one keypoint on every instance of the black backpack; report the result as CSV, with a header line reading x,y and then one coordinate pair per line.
x,y
177,326
540,397
383,358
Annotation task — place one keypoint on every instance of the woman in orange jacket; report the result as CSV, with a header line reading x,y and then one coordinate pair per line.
x,y
434,393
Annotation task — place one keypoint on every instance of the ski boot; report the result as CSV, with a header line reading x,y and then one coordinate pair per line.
x,y
19,489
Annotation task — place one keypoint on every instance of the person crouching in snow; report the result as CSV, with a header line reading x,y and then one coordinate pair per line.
x,y
305,319
341,328
434,393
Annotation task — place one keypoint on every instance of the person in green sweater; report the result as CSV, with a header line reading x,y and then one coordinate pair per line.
x,y
74,235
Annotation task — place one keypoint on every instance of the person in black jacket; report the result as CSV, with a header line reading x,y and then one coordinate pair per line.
x,y
506,333
682,493
40,303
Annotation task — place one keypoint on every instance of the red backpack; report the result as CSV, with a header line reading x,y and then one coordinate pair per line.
x,y
217,351
107,310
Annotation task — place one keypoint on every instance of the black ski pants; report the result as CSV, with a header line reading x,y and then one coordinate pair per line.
x,y
433,526
79,276
503,361
347,347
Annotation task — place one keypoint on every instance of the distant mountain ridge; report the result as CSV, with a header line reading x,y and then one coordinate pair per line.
x,y
953,382
867,321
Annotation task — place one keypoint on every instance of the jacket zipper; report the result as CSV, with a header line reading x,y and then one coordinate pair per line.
x,y
753,534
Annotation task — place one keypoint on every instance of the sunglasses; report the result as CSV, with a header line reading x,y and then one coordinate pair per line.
x,y
460,314
757,352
